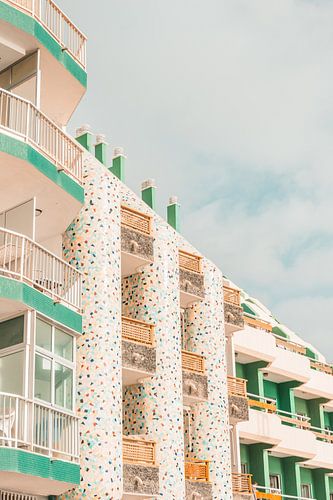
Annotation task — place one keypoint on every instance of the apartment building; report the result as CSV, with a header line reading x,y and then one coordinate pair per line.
x,y
130,368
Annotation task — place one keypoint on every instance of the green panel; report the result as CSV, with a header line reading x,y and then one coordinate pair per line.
x,y
240,370
255,378
24,462
101,152
321,484
316,412
26,23
278,331
259,466
149,196
271,390
86,140
301,406
27,153
328,420
245,455
291,474
21,292
247,309
118,167
276,468
330,484
286,395
173,216
311,354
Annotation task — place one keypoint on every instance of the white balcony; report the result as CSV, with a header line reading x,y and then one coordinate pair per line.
x,y
255,344
28,262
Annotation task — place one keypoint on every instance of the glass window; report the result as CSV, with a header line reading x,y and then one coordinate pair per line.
x,y
44,335
63,381
43,373
11,373
306,491
63,344
274,482
11,332
244,469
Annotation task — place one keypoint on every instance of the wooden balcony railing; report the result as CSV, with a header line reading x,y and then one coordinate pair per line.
x,y
237,386
294,419
193,362
241,483
261,403
197,470
52,18
139,451
258,323
288,345
190,262
265,495
136,220
232,295
321,367
323,434
137,331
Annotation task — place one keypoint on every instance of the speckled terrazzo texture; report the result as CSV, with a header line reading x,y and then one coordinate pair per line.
x,y
238,409
141,479
233,315
136,243
93,241
138,357
198,491
191,282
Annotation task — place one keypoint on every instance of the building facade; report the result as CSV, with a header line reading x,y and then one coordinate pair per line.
x,y
130,368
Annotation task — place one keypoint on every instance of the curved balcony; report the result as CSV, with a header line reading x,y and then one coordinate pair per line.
x,y
140,470
191,278
28,262
58,25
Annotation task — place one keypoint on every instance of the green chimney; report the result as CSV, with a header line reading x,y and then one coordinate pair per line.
x,y
173,213
85,138
101,149
148,193
118,164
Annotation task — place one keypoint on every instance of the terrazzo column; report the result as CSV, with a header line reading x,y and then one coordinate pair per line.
x,y
210,431
155,408
93,242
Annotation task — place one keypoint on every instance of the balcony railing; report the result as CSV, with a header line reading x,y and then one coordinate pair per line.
x,y
241,483
294,419
288,345
257,323
321,367
323,434
274,494
38,428
232,295
261,403
136,220
190,262
22,118
237,386
10,495
197,470
139,451
24,260
137,331
193,362
51,17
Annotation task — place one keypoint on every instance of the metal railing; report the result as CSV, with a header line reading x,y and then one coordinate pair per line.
x,y
137,450
237,386
24,260
288,345
265,493
21,117
136,220
190,261
137,331
294,419
322,434
197,470
193,362
261,403
36,427
53,19
232,295
11,495
257,323
241,483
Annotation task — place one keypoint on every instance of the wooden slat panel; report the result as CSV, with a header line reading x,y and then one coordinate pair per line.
x,y
136,220
297,422
197,470
268,496
231,295
322,367
237,386
137,331
139,451
258,323
241,483
189,261
290,346
270,407
193,362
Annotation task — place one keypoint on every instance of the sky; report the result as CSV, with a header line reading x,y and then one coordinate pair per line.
x,y
229,105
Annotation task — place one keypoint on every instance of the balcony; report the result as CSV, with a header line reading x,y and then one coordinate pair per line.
x,y
270,494
197,479
191,278
257,323
138,350
288,345
241,484
321,367
195,386
25,261
140,471
233,312
238,402
50,434
137,242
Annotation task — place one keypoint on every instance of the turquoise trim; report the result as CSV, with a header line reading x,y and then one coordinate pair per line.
x,y
24,462
25,152
21,292
31,26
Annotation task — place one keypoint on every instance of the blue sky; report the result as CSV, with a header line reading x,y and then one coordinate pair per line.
x,y
229,105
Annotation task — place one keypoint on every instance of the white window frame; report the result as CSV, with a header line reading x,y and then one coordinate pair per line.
x,y
309,486
275,477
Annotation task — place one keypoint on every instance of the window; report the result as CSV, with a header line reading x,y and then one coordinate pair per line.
x,y
54,365
306,491
275,482
12,355
11,332
244,469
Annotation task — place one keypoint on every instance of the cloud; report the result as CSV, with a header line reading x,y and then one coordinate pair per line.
x,y
228,104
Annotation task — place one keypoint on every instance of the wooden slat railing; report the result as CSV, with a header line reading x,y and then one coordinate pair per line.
x,y
190,262
299,421
139,451
321,367
136,220
262,403
268,496
237,386
197,470
232,295
288,345
241,483
258,323
137,331
323,434
53,19
193,362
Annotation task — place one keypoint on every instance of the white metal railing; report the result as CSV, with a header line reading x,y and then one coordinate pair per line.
x,y
275,494
36,427
57,24
322,434
24,260
11,495
21,117
300,421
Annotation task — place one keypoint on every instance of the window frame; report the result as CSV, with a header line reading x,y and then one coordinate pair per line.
x,y
309,486
278,478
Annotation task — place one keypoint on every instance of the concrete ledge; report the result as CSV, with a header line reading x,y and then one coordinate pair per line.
x,y
233,315
196,490
141,479
238,409
191,283
137,244
138,357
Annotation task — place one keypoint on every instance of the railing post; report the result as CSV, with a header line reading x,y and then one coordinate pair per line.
x,y
50,419
27,131
22,260
17,421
